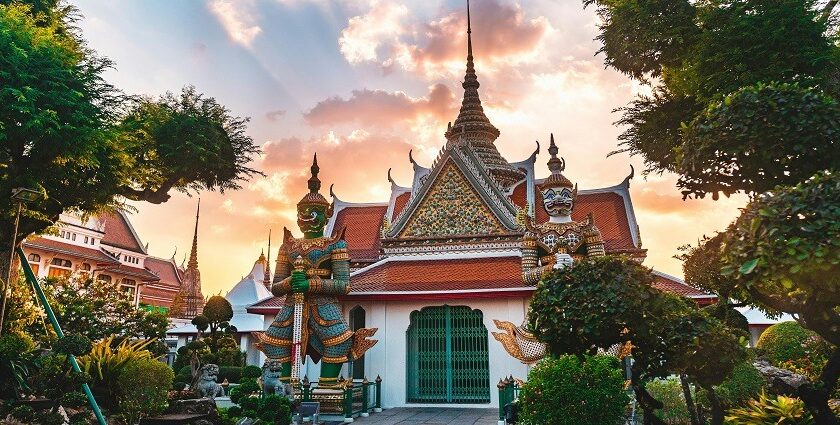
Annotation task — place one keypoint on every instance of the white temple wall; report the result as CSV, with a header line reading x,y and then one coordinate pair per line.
x,y
388,357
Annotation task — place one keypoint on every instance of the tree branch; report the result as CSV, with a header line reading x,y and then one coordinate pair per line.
x,y
828,8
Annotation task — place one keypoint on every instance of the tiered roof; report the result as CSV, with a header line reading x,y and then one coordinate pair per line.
x,y
455,232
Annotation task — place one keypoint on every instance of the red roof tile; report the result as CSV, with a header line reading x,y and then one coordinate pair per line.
x,y
267,304
96,255
118,232
676,286
362,236
142,274
609,213
400,203
165,270
440,275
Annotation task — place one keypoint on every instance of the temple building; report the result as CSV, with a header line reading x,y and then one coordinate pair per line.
x,y
105,247
460,246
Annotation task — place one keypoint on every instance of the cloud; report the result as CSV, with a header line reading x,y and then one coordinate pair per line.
x,y
356,162
238,18
379,108
275,115
385,36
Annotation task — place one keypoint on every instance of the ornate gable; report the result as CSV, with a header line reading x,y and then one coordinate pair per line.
x,y
452,207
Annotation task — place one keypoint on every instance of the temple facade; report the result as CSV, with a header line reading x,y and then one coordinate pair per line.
x,y
105,247
459,247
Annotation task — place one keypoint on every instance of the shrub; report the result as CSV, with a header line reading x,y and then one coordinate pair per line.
x,y
788,341
251,372
745,383
77,345
50,418
771,410
74,399
231,373
105,364
24,413
234,411
16,362
669,392
249,386
184,374
566,390
249,403
143,387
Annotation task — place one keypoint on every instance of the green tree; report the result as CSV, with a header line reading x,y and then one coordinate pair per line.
x,y
783,255
70,135
743,91
217,314
610,300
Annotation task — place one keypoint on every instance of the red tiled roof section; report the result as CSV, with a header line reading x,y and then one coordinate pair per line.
x,y
666,284
362,235
441,275
400,203
520,195
118,232
269,303
58,247
165,270
609,213
142,274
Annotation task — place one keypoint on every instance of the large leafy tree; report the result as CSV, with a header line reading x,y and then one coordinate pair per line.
x,y
744,91
605,301
70,135
783,255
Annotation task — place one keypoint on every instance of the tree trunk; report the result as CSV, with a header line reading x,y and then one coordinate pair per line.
x,y
814,396
689,400
7,264
717,408
648,404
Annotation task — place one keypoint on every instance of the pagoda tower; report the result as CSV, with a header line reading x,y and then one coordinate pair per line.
x,y
189,302
473,127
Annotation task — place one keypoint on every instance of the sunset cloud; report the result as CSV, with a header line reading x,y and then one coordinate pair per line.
x,y
238,18
380,108
386,36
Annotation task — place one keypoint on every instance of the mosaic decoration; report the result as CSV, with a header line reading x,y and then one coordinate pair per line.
x,y
452,207
310,272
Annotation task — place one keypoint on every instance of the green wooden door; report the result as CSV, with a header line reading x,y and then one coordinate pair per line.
x,y
447,357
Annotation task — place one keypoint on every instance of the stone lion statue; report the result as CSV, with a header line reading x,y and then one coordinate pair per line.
x,y
207,385
271,379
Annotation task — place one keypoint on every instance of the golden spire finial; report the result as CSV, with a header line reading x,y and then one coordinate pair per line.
x,y
193,263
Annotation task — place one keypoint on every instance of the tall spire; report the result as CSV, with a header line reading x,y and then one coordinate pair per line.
x,y
194,253
474,128
267,270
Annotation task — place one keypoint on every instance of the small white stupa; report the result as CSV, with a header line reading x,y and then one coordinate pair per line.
x,y
250,290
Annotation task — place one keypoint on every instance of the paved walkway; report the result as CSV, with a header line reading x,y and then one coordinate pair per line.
x,y
431,415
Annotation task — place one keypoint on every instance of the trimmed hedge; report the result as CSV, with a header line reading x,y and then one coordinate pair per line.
x,y
567,391
785,341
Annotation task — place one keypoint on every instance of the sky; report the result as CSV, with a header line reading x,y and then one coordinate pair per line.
x,y
362,82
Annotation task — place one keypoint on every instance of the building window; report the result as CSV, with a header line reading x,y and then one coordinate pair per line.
x,y
128,287
34,258
86,239
73,237
60,267
34,263
104,278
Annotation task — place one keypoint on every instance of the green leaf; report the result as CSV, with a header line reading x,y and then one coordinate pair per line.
x,y
749,266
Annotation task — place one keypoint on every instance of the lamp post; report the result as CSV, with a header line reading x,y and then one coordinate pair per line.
x,y
20,196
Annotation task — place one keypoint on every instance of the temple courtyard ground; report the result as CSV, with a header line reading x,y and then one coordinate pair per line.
x,y
431,415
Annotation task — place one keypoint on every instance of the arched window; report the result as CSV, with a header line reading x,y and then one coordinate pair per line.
x,y
34,263
60,267
85,267
357,321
